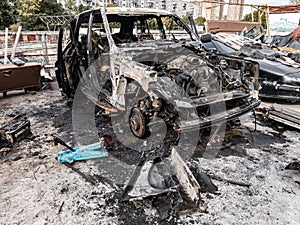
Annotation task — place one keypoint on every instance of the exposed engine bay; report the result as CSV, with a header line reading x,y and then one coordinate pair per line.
x,y
150,65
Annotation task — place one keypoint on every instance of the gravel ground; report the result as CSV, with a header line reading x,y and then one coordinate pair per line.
x,y
253,186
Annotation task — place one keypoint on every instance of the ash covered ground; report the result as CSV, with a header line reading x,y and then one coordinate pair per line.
x,y
249,171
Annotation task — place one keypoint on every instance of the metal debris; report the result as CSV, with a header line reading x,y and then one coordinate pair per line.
x,y
15,129
255,33
293,166
206,185
162,177
185,177
235,182
280,114
5,150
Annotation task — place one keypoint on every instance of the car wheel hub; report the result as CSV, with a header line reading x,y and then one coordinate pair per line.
x,y
137,123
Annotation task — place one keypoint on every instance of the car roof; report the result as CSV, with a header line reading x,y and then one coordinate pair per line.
x,y
122,10
128,11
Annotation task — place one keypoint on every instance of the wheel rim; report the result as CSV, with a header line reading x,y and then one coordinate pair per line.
x,y
137,123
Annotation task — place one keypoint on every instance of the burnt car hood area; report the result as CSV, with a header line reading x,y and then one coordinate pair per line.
x,y
157,54
279,71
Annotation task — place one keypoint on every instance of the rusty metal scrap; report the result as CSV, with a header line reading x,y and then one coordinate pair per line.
x,y
158,176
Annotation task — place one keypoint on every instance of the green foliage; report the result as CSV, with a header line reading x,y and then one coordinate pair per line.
x,y
29,12
248,17
295,2
7,14
198,21
152,23
186,19
26,13
70,5
73,9
50,7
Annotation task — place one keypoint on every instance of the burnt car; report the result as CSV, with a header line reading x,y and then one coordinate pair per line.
x,y
286,42
148,64
279,74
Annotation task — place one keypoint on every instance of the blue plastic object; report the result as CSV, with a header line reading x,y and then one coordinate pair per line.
x,y
86,152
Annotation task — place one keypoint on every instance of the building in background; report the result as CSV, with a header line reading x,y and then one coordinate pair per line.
x,y
93,3
210,9
235,12
180,7
218,9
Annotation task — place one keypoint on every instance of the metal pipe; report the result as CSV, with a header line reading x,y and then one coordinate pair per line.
x,y
13,53
268,24
6,46
44,41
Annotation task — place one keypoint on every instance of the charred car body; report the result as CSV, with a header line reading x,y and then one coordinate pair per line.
x,y
279,74
286,42
149,63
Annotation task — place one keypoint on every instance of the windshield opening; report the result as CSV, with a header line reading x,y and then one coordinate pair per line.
x,y
138,28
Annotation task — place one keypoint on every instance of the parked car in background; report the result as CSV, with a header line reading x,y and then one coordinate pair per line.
x,y
279,74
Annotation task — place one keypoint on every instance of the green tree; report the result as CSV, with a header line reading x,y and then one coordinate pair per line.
x,y
48,8
200,21
26,12
295,2
7,14
70,6
30,10
248,17
51,8
73,9
186,19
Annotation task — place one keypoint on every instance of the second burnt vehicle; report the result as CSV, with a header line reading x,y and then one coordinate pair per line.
x,y
279,73
149,64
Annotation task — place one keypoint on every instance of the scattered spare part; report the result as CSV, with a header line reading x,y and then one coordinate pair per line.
x,y
281,114
162,175
15,129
